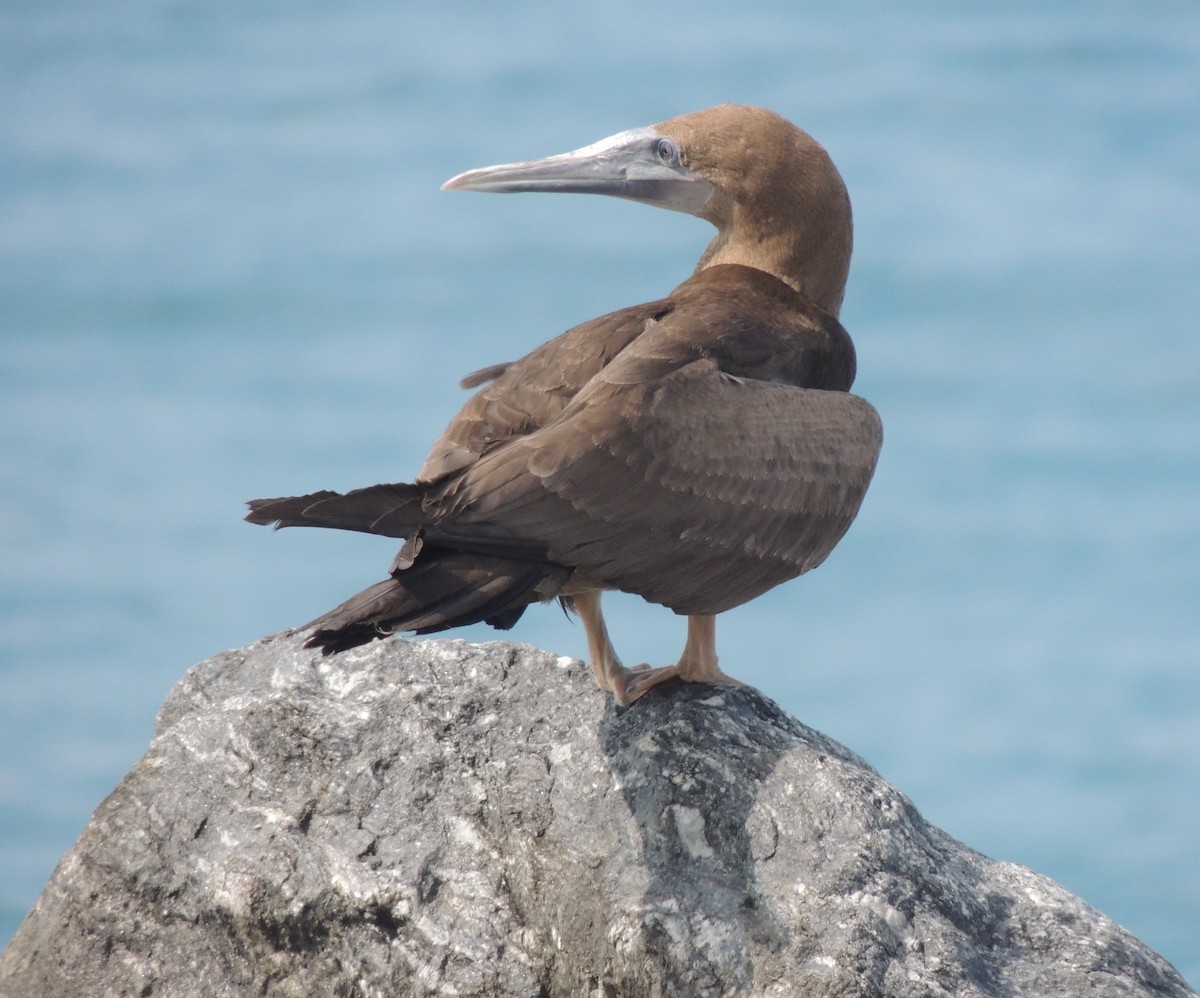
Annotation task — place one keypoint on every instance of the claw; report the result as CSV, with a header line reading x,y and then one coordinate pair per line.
x,y
640,680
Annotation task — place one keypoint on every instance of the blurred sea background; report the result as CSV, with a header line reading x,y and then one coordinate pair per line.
x,y
226,271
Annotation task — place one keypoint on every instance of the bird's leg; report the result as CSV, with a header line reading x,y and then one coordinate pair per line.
x,y
697,664
606,666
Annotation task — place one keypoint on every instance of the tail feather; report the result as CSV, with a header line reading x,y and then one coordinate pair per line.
x,y
444,589
389,510
397,510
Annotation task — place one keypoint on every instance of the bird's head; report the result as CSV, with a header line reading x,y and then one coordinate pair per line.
x,y
771,190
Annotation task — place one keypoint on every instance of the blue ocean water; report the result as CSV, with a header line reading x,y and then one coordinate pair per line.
x,y
226,271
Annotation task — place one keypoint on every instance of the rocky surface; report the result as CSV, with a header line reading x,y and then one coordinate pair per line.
x,y
441,818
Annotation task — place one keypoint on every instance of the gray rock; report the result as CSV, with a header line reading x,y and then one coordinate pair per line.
x,y
441,818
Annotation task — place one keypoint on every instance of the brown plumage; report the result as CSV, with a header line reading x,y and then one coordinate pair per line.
x,y
697,450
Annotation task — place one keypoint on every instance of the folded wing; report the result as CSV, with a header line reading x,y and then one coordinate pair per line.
x,y
693,489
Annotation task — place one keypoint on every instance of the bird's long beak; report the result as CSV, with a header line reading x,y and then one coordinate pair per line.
x,y
640,165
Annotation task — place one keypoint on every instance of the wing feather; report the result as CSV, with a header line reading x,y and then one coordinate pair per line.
x,y
695,490
528,393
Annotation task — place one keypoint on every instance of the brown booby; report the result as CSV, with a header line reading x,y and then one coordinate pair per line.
x,y
696,450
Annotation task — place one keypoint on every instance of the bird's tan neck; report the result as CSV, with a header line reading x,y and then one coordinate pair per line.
x,y
816,268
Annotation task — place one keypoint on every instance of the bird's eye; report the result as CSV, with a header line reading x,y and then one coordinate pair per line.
x,y
668,152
